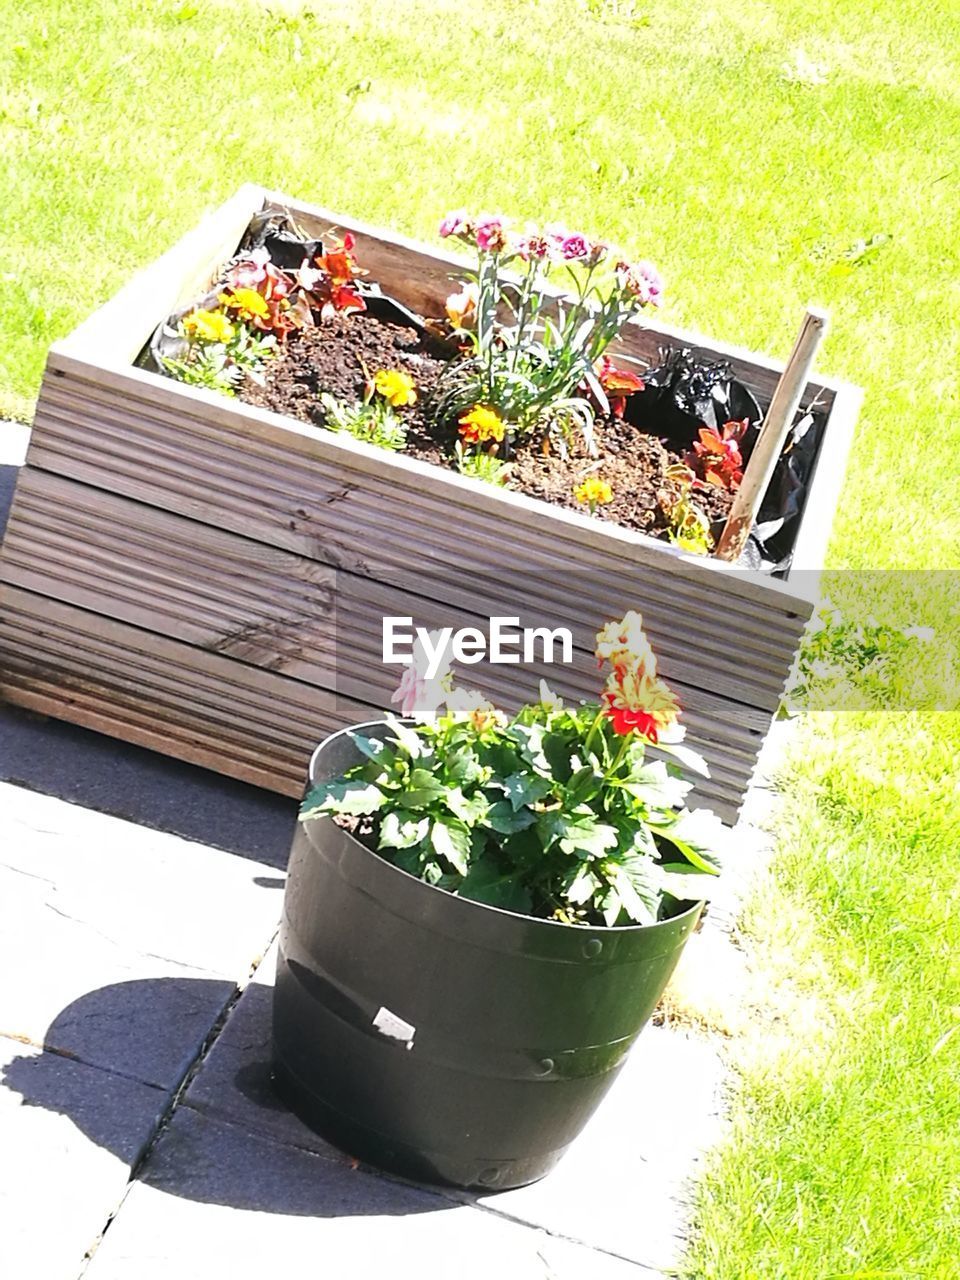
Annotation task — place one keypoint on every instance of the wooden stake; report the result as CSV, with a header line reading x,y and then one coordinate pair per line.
x,y
773,436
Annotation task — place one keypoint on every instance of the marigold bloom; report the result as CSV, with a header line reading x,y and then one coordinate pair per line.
x,y
635,701
593,492
395,386
248,302
480,425
209,326
461,307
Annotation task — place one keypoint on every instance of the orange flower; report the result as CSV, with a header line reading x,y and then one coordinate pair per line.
x,y
461,307
480,425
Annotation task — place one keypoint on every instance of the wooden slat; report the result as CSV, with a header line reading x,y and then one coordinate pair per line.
x,y
275,608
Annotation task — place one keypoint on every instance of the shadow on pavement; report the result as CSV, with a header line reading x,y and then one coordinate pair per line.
x,y
204,1154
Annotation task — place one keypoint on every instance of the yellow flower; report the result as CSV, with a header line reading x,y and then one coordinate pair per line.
x,y
247,301
481,424
209,326
395,386
593,492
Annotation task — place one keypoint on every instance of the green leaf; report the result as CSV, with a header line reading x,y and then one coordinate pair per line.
x,y
583,886
401,830
485,882
373,748
686,755
698,835
655,786
354,797
422,790
685,882
469,809
636,882
463,767
406,737
451,839
583,786
526,789
503,818
584,834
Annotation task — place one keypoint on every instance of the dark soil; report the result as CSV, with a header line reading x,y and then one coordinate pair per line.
x,y
337,355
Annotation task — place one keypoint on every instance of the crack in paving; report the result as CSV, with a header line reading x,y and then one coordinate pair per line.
x,y
165,1119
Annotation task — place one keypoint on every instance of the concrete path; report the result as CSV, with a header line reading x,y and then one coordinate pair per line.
x,y
139,1135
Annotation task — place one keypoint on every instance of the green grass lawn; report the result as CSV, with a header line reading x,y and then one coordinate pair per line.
x,y
753,149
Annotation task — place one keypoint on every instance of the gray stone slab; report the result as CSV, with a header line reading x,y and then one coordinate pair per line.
x,y
69,1135
118,944
621,1187
215,1200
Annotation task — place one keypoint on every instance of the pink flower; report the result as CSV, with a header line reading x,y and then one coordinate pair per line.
x,y
418,695
642,279
491,229
532,247
456,223
574,247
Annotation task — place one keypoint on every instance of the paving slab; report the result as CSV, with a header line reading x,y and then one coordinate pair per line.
x,y
623,1185
216,1200
121,945
70,1136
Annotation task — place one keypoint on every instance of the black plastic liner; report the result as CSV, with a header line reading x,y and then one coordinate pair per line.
x,y
684,392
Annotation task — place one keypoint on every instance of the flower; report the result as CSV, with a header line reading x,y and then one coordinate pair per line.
x,y
716,456
248,302
462,307
574,247
418,696
593,492
491,232
338,262
618,384
642,280
625,643
634,700
456,223
532,246
481,424
470,704
208,326
395,386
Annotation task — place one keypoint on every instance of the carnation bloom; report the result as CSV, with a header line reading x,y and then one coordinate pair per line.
x,y
248,302
395,386
209,326
480,425
491,232
642,280
593,492
456,223
462,307
635,701
574,247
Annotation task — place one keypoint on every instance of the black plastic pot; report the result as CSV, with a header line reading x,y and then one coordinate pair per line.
x,y
439,1038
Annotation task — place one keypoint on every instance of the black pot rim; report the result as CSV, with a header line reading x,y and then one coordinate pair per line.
x,y
623,930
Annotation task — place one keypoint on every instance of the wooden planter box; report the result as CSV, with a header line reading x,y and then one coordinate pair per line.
x,y
178,566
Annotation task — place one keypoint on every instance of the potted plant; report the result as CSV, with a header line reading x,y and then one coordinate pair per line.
x,y
481,914
179,564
